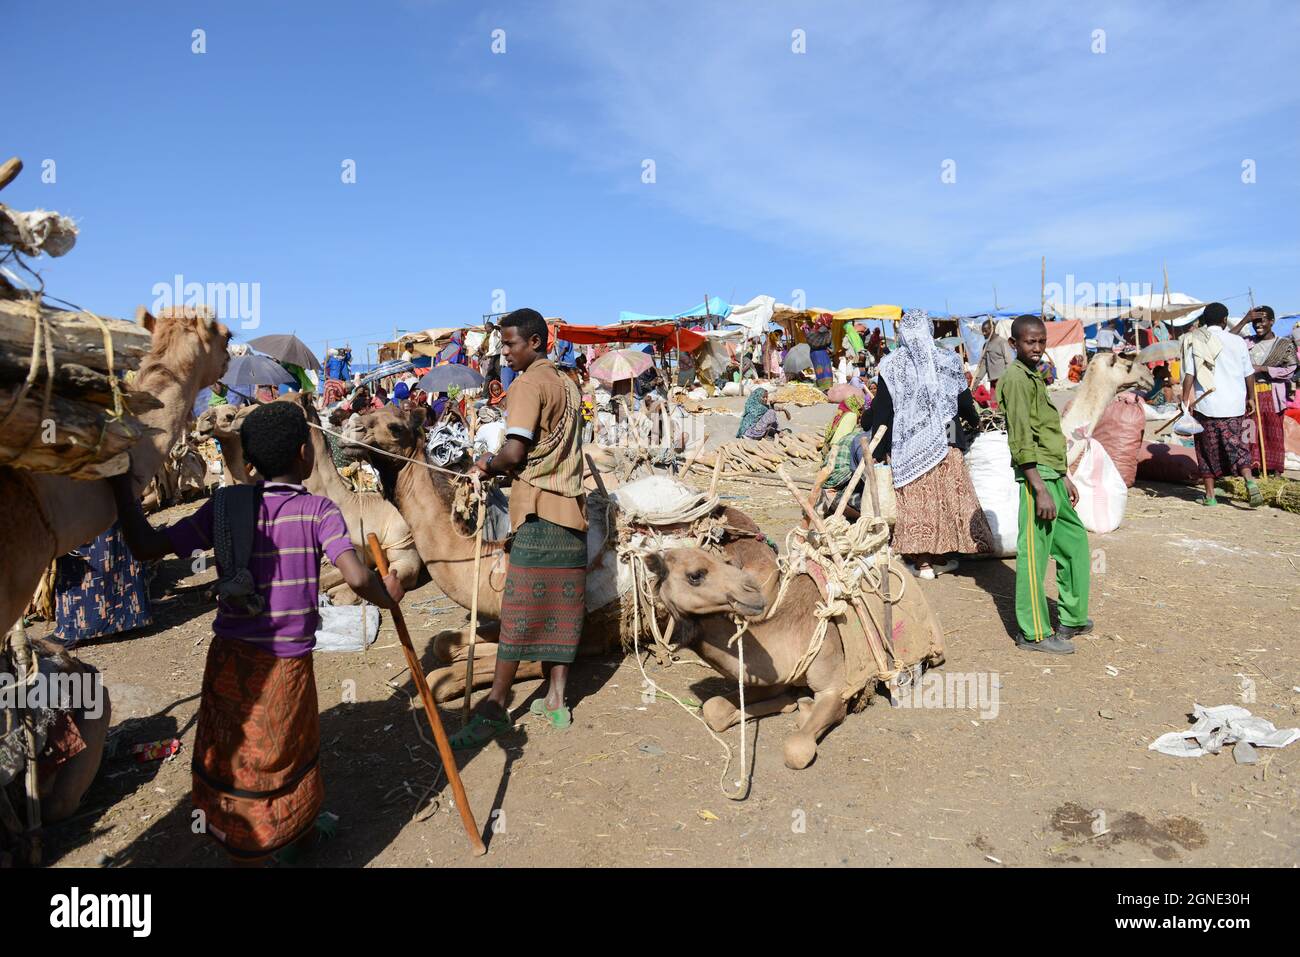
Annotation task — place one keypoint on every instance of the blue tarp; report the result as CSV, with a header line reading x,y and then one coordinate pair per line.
x,y
717,309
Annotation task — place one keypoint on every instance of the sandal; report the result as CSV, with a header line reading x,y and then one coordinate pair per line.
x,y
478,732
560,719
1207,500
325,827
1255,495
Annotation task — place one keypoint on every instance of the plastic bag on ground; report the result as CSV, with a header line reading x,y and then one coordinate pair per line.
x,y
1219,726
347,627
1103,495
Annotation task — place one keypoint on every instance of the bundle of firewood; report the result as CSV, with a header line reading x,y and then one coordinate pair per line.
x,y
64,407
764,455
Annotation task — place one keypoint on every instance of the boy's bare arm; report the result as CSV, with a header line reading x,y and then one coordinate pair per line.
x,y
385,592
144,541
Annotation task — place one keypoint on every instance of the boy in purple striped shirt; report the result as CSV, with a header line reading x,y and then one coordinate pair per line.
x,y
256,766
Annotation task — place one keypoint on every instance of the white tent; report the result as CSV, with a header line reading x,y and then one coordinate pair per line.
x,y
753,315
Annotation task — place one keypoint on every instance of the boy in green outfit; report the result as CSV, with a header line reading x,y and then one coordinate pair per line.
x,y
1049,526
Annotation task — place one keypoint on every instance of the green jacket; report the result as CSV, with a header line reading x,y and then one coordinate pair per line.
x,y
1033,424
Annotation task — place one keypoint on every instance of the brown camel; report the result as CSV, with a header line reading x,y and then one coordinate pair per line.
x,y
52,514
703,591
364,512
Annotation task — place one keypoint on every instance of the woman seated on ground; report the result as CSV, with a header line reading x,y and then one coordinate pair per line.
x,y
759,420
1162,390
837,449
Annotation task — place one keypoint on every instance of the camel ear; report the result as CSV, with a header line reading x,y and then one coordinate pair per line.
x,y
655,564
145,318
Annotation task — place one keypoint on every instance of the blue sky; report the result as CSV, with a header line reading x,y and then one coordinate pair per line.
x,y
775,171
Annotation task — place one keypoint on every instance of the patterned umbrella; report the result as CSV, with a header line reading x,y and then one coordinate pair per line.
x,y
620,364
287,348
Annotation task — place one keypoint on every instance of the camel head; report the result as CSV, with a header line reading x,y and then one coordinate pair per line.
x,y
1115,370
219,422
693,582
394,430
189,341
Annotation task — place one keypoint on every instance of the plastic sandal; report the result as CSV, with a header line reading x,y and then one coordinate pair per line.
x,y
560,719
1256,496
1203,500
478,732
326,826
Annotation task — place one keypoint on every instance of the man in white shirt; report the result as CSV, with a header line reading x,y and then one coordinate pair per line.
x,y
1218,371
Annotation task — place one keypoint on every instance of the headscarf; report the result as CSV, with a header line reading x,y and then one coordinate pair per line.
x,y
924,382
755,408
844,423
335,391
400,392
496,392
823,320
874,344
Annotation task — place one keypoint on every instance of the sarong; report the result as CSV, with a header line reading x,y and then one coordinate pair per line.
x,y
256,767
545,594
765,427
940,513
822,369
99,589
1223,446
1270,430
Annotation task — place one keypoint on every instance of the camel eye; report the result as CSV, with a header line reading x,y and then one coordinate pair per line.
x,y
695,577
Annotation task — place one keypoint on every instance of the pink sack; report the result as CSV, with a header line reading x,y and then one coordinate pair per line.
x,y
1120,430
1176,464
838,393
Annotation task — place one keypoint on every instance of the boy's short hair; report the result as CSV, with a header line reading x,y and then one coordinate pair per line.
x,y
529,322
1215,314
272,435
1024,323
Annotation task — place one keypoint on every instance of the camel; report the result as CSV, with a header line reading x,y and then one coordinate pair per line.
x,y
183,476
1106,375
53,514
703,591
363,512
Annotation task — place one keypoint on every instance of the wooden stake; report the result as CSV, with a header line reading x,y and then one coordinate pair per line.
x,y
473,605
431,712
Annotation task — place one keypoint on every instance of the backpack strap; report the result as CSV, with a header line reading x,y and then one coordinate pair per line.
x,y
234,523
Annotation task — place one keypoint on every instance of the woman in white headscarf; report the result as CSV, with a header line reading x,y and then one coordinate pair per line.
x,y
923,400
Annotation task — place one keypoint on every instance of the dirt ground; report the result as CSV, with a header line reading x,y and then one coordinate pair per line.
x,y
1191,604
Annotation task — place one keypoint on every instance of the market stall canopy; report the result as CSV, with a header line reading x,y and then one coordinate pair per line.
x,y
665,334
427,342
838,319
715,307
1157,307
754,316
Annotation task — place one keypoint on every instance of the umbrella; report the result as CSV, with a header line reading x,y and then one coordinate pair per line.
x,y
442,378
287,348
620,364
797,359
256,370
1161,351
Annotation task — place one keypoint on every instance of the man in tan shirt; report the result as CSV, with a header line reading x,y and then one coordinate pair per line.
x,y
542,609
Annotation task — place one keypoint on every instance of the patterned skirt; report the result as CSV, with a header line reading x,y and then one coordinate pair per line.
x,y
822,369
1271,433
939,513
1223,446
765,427
545,594
257,749
99,590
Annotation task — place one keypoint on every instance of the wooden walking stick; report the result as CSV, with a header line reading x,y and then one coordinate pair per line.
x,y
473,604
1259,432
431,712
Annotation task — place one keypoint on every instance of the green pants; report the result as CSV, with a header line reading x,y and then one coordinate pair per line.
x,y
1064,539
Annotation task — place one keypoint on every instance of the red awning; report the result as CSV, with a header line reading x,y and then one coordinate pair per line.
x,y
665,334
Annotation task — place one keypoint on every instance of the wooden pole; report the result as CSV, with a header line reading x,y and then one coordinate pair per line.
x,y
1042,292
889,558
473,605
9,170
431,712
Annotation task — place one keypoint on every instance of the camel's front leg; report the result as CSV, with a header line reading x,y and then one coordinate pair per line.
x,y
828,709
723,711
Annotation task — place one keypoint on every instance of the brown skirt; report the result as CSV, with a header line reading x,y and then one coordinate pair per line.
x,y
257,749
939,513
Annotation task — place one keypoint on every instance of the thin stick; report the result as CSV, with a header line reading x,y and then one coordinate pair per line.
x,y
473,607
1195,403
431,712
869,452
1259,431
889,559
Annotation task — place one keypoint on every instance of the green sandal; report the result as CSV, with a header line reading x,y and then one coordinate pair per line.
x,y
1207,500
326,826
561,718
1255,495
478,732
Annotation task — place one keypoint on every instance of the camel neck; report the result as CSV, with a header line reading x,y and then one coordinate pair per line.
x,y
176,393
